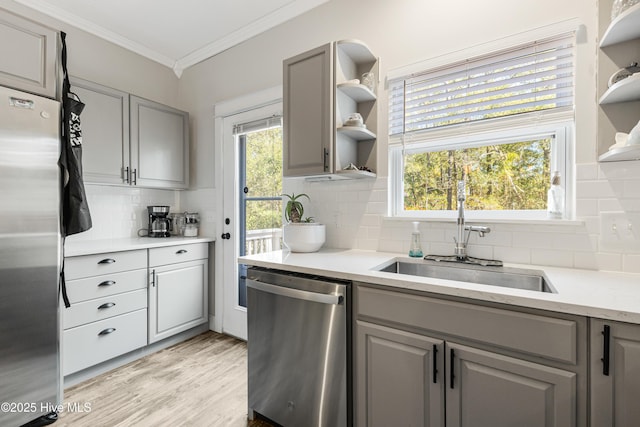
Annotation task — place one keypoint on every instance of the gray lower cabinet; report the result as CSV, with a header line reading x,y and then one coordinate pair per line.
x,y
29,55
108,312
615,374
427,361
400,377
178,295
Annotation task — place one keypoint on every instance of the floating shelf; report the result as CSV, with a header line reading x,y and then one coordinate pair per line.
x,y
357,91
625,90
623,153
357,50
625,27
357,133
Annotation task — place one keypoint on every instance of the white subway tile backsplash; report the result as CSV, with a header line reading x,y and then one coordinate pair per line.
x,y
552,257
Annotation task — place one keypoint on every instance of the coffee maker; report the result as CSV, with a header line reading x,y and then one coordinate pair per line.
x,y
159,222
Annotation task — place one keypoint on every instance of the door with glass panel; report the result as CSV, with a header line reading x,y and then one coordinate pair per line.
x,y
253,204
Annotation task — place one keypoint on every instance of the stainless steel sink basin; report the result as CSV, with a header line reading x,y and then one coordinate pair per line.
x,y
516,278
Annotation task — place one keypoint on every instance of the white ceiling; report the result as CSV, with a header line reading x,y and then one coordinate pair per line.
x,y
175,33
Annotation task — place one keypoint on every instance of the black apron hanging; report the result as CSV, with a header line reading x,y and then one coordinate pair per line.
x,y
76,217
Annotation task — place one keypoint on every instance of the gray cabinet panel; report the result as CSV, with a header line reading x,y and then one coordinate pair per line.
x,y
489,389
29,55
159,145
308,105
614,396
105,132
395,378
177,298
548,337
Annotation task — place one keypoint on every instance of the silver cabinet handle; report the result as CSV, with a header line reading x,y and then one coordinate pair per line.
x,y
153,278
181,251
134,175
107,261
106,305
127,175
295,293
107,331
107,283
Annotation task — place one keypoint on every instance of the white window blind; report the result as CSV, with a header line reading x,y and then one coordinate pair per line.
x,y
529,78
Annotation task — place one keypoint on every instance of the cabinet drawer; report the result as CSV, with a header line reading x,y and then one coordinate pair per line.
x,y
109,284
538,335
84,346
106,263
103,308
181,253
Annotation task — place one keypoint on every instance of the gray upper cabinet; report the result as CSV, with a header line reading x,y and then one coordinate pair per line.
x,y
105,132
29,55
159,145
323,88
129,140
308,121
615,374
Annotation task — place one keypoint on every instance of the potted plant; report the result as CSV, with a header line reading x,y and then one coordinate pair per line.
x,y
301,234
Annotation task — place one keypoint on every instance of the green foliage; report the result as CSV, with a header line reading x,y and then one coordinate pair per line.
x,y
264,178
498,177
294,210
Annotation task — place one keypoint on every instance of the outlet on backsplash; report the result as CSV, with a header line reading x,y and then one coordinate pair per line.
x,y
619,230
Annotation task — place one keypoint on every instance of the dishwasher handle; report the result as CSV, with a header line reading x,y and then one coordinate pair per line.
x,y
296,293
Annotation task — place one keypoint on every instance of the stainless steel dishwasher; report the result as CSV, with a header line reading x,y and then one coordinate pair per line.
x,y
299,346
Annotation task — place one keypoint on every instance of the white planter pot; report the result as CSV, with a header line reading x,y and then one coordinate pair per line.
x,y
304,236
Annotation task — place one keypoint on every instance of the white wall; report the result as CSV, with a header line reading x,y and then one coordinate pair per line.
x,y
402,33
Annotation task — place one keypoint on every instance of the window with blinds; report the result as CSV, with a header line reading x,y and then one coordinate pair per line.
x,y
502,122
529,78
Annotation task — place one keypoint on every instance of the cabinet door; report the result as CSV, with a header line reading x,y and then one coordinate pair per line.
x,y
615,391
29,55
177,298
308,113
488,389
105,132
159,145
399,378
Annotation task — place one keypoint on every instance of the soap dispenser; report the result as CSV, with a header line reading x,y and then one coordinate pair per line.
x,y
555,198
415,250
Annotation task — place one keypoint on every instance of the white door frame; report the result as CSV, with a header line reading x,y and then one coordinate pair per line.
x,y
230,318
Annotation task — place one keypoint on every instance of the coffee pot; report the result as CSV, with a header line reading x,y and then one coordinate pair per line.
x,y
159,222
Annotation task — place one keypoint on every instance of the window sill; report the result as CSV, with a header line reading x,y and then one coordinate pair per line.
x,y
523,221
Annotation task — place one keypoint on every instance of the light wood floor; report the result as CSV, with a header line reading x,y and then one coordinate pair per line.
x,y
200,382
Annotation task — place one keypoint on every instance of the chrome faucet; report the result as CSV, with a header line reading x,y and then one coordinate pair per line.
x,y
462,240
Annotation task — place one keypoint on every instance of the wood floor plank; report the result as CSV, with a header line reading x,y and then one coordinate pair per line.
x,y
200,382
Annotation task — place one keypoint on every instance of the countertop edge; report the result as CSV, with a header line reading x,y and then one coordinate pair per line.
x,y
589,293
91,247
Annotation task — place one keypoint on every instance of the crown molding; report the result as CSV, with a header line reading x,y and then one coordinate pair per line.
x,y
283,14
258,26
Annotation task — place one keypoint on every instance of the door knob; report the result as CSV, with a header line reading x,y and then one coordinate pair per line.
x,y
226,236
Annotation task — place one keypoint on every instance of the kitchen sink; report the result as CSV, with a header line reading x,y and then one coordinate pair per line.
x,y
515,278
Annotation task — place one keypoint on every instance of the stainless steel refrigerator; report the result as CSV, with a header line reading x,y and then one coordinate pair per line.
x,y
29,256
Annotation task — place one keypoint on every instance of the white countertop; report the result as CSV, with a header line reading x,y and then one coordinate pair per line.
x,y
117,245
604,295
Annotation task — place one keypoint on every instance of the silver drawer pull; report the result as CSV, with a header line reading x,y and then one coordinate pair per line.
x,y
107,261
107,331
107,283
181,251
106,305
